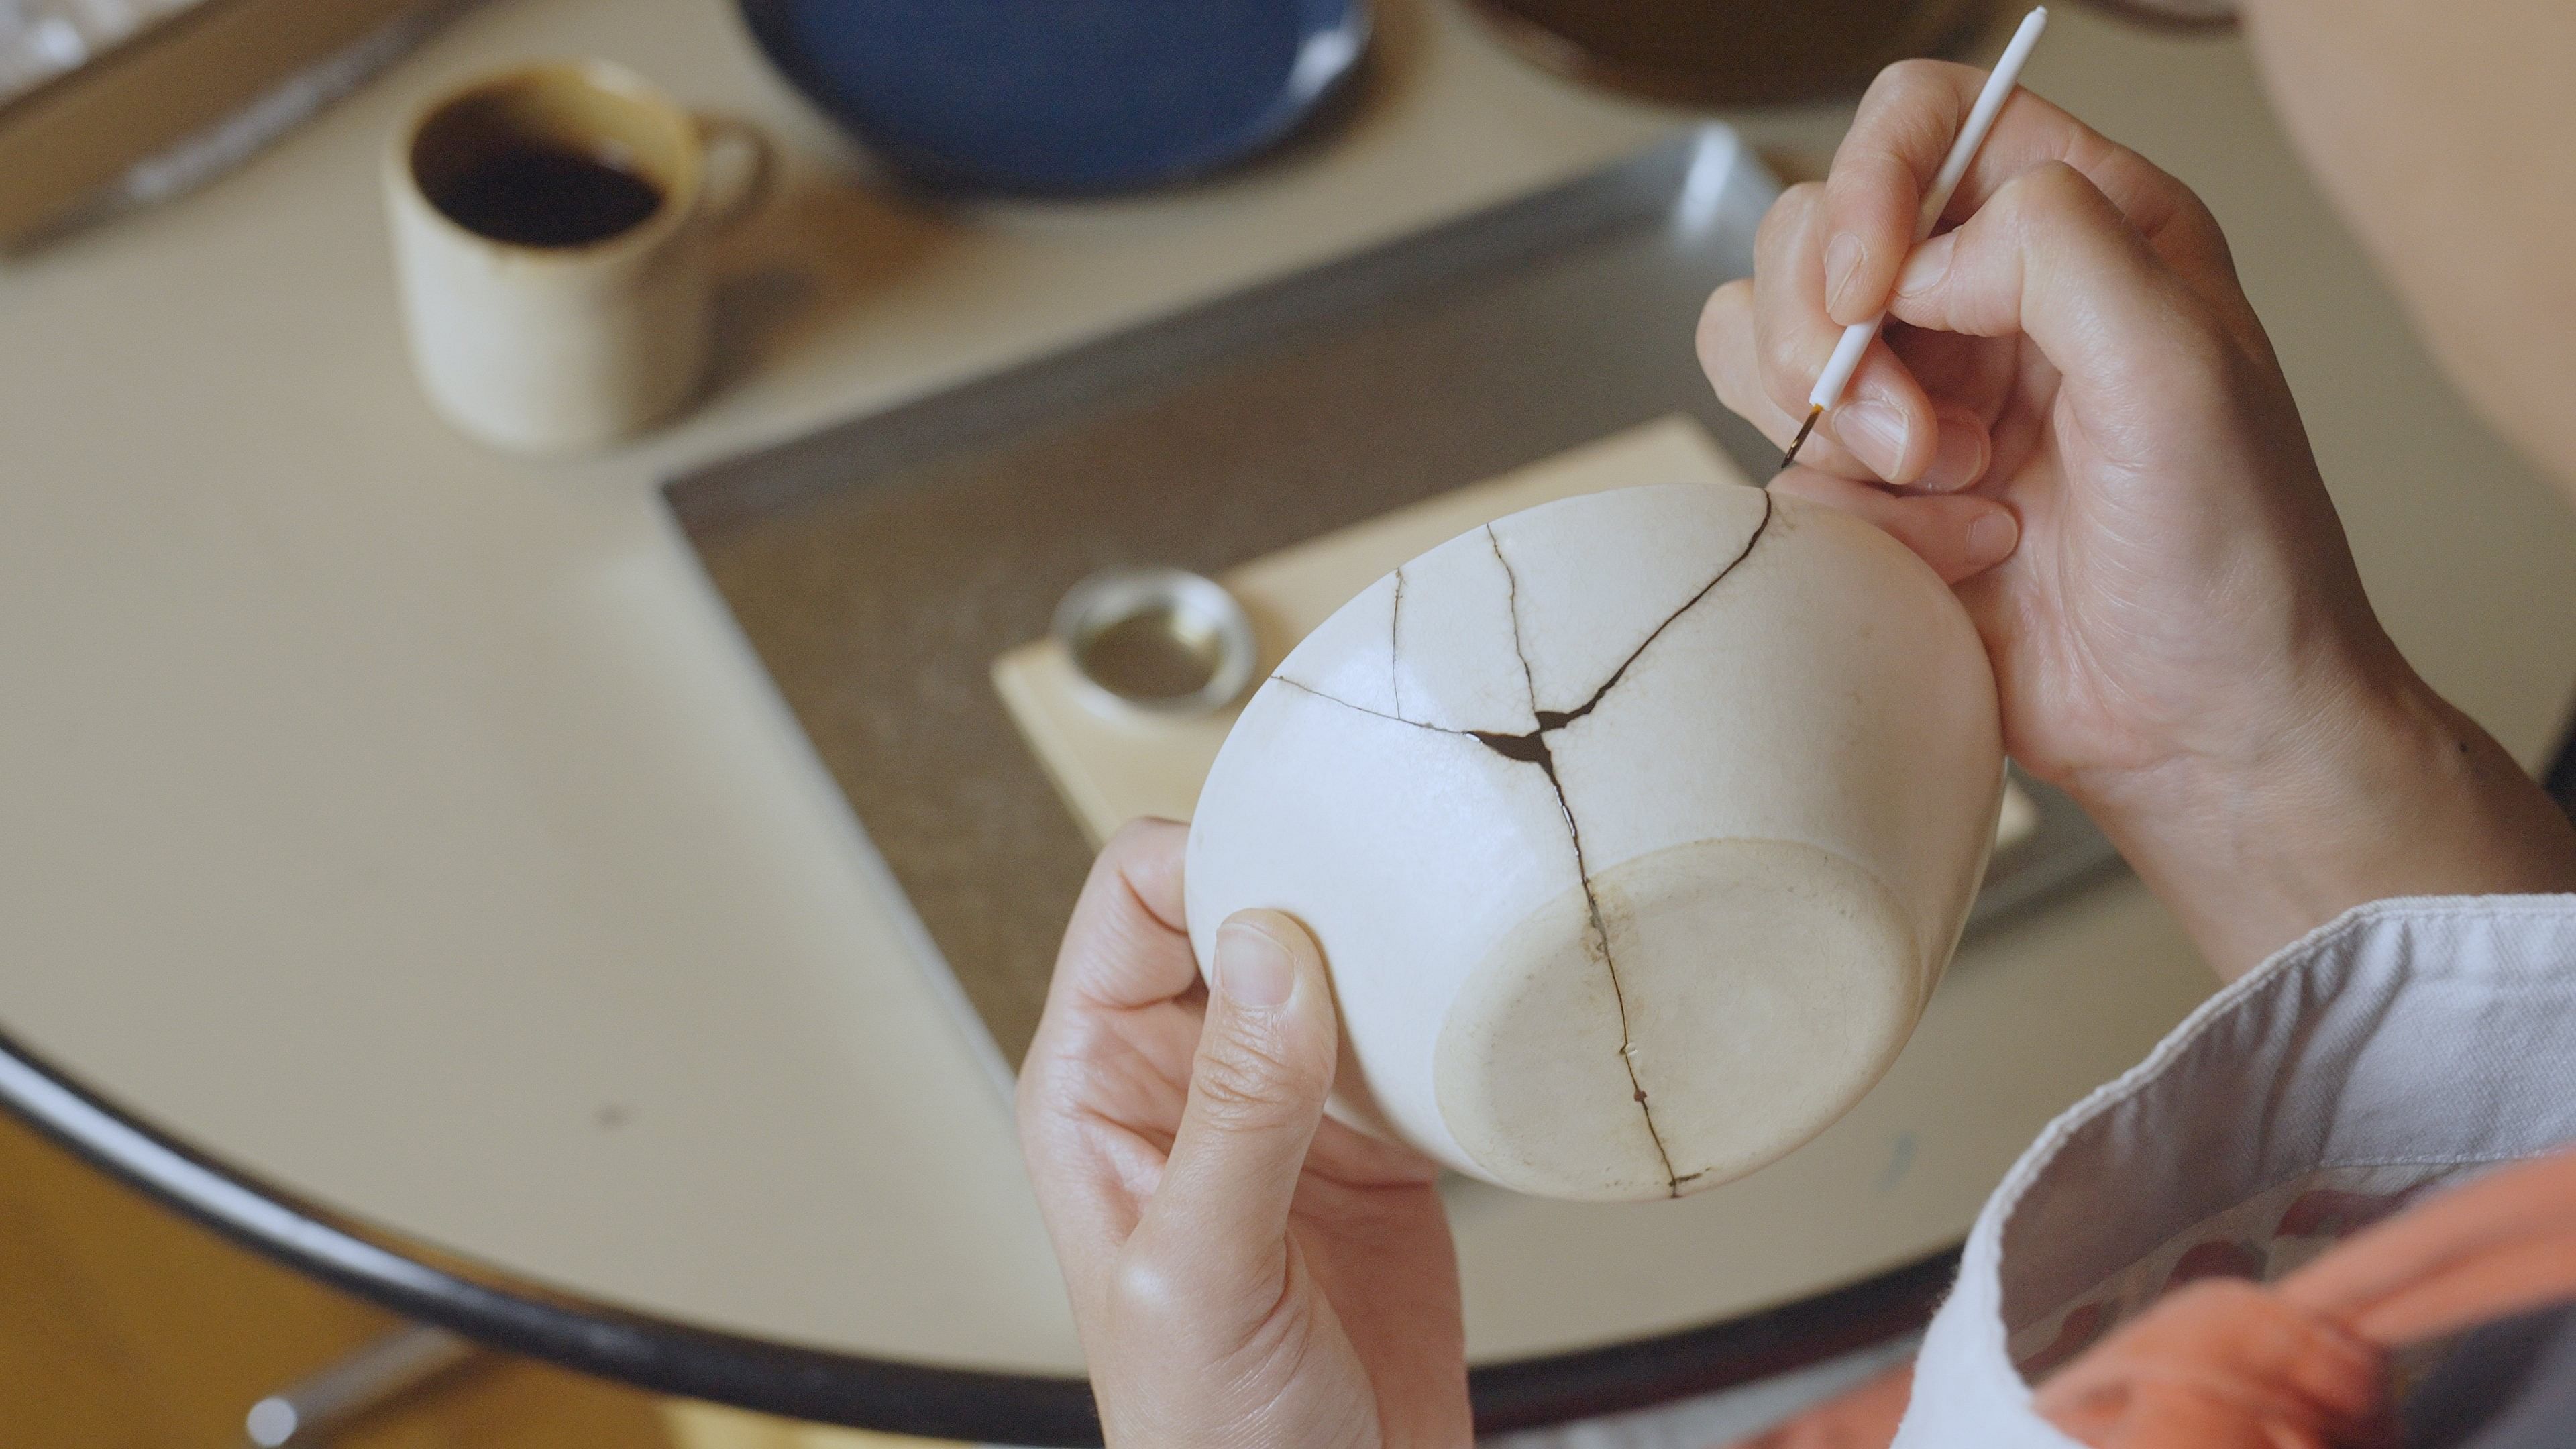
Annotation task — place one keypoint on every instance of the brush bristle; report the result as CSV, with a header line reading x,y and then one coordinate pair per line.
x,y
1800,441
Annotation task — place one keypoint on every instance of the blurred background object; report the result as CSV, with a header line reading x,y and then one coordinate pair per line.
x,y
41,39
2186,14
1068,97
355,1386
112,103
1731,52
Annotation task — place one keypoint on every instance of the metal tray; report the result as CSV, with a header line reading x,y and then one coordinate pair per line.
x,y
880,565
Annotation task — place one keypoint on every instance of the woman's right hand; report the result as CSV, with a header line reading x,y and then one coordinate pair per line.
x,y
2076,418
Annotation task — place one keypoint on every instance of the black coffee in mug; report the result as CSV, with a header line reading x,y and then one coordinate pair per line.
x,y
536,195
552,227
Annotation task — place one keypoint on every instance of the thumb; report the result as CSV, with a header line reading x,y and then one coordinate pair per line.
x,y
1265,1062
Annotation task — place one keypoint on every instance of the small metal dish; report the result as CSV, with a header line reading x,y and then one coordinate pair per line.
x,y
1160,640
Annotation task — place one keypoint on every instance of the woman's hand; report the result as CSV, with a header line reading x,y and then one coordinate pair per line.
x,y
1243,1272
2076,418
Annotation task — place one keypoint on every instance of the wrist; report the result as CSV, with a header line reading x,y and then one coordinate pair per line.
x,y
2375,786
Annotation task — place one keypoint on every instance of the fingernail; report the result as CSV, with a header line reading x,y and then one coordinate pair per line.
x,y
1927,266
1875,431
1958,456
1251,968
1991,538
1842,262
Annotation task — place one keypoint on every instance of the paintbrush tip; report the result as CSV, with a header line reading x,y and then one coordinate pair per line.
x,y
1800,441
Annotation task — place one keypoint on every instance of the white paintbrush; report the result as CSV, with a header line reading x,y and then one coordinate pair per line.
x,y
1981,119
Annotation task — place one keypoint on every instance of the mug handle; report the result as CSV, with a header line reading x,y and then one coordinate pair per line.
x,y
741,166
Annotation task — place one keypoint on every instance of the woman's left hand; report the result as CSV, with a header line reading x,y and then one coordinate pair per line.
x,y
1243,1272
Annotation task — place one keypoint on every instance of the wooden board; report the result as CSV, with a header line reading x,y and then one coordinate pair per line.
x,y
81,130
122,1324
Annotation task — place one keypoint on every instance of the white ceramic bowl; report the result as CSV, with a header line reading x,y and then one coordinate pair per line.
x,y
1636,829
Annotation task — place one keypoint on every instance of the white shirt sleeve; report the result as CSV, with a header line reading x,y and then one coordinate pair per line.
x,y
2399,1046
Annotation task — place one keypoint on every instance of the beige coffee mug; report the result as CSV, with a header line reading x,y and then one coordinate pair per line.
x,y
550,233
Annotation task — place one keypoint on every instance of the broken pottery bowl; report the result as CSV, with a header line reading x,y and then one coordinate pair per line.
x,y
1636,828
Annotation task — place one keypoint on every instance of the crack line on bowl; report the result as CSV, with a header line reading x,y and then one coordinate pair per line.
x,y
1395,646
1301,685
1552,720
1531,748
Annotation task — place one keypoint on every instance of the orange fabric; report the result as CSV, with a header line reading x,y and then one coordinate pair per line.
x,y
2502,1245
2224,1363
2221,1364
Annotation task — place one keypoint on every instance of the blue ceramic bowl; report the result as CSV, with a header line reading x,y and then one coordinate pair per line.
x,y
1063,96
